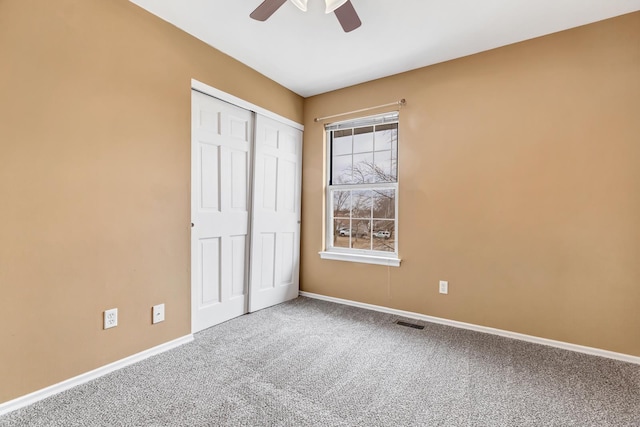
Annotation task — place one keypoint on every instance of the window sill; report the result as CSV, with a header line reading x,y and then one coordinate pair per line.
x,y
365,259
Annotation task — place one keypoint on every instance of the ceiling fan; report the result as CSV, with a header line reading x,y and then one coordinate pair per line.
x,y
346,14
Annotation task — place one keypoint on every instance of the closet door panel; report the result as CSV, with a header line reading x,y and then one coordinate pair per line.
x,y
275,252
221,141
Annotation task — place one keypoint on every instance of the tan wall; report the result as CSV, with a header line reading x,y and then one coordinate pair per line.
x,y
519,184
94,180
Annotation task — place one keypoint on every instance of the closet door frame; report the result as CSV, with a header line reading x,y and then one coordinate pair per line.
x,y
239,102
256,110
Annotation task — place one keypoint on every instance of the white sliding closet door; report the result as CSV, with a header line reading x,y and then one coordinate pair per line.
x,y
275,249
221,142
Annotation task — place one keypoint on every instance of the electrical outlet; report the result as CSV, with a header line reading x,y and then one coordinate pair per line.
x,y
111,318
158,313
444,287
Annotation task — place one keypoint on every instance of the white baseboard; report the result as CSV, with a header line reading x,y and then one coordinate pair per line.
x,y
508,334
36,396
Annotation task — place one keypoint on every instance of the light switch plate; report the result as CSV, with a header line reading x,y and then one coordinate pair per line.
x,y
444,287
158,313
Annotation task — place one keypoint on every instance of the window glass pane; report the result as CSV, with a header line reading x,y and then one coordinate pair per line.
x,y
361,202
386,156
341,234
384,204
342,205
383,170
363,168
342,170
361,236
383,236
363,139
394,154
385,135
342,142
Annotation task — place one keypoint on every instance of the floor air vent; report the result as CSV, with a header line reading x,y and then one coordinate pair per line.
x,y
409,325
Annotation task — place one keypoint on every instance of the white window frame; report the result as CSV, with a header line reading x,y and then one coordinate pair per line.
x,y
366,256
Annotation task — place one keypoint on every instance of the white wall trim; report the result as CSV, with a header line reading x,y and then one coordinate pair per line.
x,y
41,394
239,102
485,329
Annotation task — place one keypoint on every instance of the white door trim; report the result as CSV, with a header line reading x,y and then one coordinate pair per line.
x,y
239,102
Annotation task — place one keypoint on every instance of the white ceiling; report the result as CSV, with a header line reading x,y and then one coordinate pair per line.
x,y
310,54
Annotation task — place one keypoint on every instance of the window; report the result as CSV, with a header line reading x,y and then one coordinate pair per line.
x,y
362,190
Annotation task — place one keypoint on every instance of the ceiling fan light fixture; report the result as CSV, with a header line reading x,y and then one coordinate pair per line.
x,y
332,5
301,4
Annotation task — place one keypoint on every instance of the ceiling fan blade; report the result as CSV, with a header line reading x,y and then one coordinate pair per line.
x,y
348,17
266,9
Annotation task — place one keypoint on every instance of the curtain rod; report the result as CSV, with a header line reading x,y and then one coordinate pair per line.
x,y
401,103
